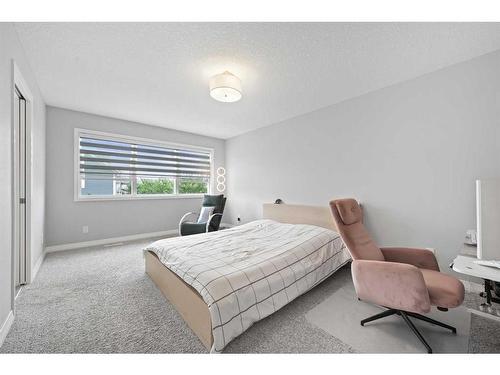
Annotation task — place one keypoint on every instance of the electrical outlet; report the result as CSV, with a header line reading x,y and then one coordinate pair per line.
x,y
239,219
85,229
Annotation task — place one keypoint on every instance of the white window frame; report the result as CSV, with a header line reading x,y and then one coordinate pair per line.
x,y
78,197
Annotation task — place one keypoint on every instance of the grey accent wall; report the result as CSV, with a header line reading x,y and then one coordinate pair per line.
x,y
106,219
11,49
410,153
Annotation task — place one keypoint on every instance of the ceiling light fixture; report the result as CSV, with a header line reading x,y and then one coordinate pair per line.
x,y
225,87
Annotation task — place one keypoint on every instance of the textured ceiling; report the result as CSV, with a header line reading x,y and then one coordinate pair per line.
x,y
157,73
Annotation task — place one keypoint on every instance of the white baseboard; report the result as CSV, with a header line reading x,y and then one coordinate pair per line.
x,y
6,327
107,241
37,265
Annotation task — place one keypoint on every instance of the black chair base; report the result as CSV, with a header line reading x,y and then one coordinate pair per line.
x,y
405,315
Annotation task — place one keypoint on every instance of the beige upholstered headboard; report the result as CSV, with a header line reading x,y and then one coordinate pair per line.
x,y
299,214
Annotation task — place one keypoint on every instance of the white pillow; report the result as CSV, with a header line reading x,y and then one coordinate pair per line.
x,y
205,214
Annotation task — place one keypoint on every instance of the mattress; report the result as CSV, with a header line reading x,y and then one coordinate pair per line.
x,y
247,272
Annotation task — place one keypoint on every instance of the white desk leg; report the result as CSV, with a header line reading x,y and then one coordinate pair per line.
x,y
487,294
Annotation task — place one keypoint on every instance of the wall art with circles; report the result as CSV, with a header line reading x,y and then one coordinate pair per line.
x,y
221,179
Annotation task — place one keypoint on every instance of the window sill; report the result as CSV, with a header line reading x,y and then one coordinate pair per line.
x,y
136,197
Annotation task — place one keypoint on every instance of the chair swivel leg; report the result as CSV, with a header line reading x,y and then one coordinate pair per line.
x,y
432,321
381,315
415,331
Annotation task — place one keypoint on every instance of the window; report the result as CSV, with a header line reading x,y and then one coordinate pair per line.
x,y
120,167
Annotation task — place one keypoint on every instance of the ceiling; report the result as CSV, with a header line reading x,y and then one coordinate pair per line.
x,y
157,73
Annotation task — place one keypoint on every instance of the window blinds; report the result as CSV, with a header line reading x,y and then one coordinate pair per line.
x,y
102,157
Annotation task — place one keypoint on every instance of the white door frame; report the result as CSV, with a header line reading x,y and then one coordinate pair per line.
x,y
19,82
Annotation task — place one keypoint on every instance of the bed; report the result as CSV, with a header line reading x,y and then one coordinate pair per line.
x,y
223,282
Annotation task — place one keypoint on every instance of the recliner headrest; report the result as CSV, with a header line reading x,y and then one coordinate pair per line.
x,y
349,211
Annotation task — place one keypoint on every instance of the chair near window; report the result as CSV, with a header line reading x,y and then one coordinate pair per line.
x,y
209,217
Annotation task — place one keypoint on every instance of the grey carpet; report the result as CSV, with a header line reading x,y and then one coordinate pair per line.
x,y
99,300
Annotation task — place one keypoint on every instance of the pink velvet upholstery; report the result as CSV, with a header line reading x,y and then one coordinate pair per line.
x,y
353,232
421,258
444,290
395,285
349,211
405,279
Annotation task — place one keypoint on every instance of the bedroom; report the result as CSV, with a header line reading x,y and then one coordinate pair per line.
x,y
183,187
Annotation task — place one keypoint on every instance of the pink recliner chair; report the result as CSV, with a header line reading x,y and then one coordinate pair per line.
x,y
405,281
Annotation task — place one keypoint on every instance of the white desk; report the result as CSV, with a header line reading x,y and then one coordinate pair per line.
x,y
464,264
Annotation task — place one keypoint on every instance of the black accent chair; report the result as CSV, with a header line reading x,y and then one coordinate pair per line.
x,y
186,227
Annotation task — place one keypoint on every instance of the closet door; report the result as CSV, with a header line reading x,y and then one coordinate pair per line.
x,y
20,124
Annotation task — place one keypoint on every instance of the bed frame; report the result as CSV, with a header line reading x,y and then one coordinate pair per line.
x,y
186,299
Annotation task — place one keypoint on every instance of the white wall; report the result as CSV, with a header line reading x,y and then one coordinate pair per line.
x,y
107,219
410,152
10,48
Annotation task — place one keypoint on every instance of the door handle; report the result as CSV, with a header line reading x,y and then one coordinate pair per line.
x,y
22,200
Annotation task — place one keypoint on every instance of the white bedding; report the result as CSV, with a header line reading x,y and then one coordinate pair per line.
x,y
250,271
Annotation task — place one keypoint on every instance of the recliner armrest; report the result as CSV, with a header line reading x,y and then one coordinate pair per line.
x,y
421,258
394,285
